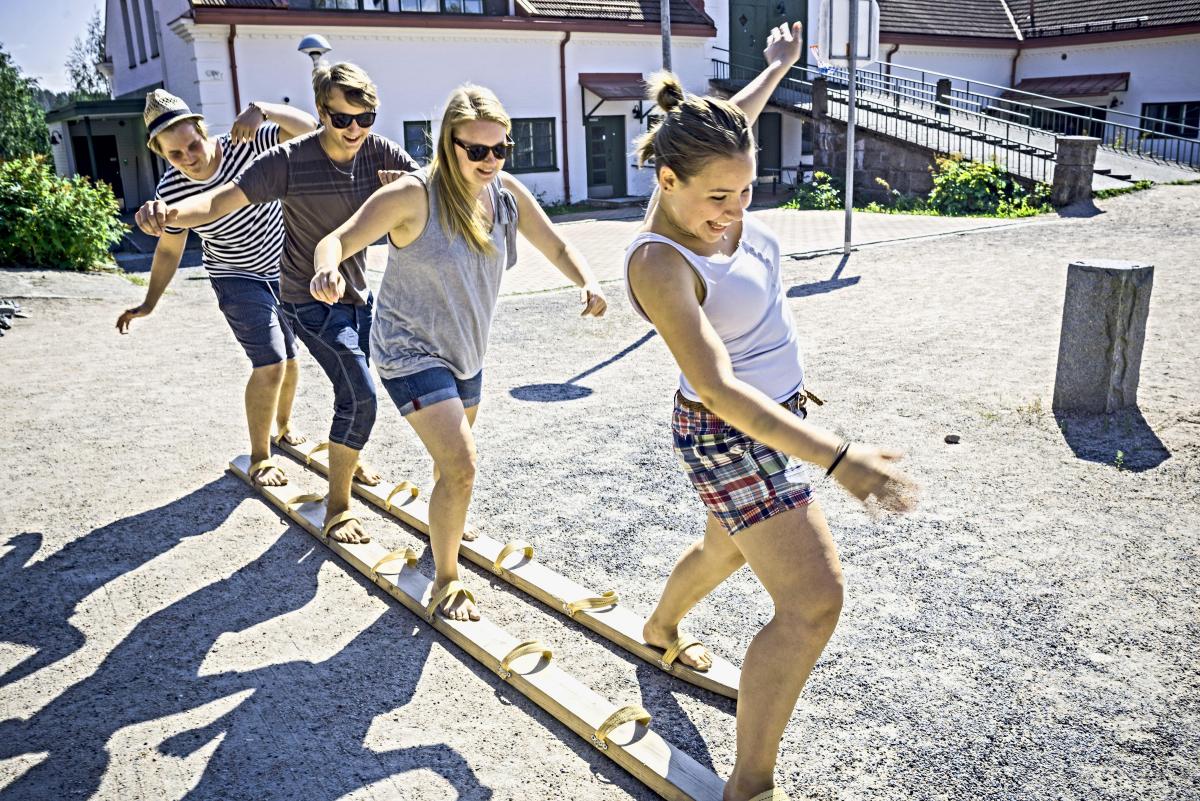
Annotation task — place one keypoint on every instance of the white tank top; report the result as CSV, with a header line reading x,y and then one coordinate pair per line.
x,y
744,302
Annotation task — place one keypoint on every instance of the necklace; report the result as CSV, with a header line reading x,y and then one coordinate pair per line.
x,y
348,173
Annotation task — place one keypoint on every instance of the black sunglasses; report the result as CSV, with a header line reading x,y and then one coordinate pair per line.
x,y
479,152
339,120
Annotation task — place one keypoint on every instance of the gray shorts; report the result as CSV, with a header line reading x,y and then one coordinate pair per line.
x,y
251,307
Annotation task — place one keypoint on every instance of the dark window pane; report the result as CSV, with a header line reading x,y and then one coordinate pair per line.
x,y
417,141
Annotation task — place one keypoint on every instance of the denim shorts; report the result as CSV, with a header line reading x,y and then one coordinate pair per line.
x,y
430,386
251,307
740,480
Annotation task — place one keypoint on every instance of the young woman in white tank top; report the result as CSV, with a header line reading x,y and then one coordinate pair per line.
x,y
707,276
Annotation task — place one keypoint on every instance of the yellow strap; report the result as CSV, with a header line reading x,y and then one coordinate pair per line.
x,y
257,466
814,398
407,554
283,432
312,497
320,446
680,645
619,718
445,594
608,598
337,520
403,485
774,794
508,550
524,649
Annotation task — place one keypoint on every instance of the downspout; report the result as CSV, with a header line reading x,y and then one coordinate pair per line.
x,y
562,78
237,95
888,58
1012,72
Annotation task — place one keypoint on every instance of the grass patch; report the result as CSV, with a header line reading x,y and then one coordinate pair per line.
x,y
1138,186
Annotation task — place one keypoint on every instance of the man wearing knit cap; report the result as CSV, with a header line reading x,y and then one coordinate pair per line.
x,y
241,252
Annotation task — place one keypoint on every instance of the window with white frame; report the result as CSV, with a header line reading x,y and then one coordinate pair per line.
x,y
1174,119
443,6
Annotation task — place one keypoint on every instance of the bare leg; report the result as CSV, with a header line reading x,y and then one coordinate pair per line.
x,y
795,558
469,532
287,394
445,430
705,564
262,395
342,462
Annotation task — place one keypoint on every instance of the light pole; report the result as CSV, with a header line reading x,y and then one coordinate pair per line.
x,y
665,16
314,46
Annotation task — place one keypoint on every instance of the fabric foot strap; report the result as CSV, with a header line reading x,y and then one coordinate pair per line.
x,y
508,550
407,554
680,645
320,446
616,719
299,500
608,598
413,490
283,432
524,649
446,593
336,521
774,794
258,467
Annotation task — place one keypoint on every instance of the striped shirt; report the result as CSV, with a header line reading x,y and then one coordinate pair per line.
x,y
248,242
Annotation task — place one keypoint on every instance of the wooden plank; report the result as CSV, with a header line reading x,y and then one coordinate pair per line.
x,y
616,623
638,749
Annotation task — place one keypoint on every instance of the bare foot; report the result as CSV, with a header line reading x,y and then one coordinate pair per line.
x,y
470,534
458,607
350,531
290,437
270,476
695,656
366,475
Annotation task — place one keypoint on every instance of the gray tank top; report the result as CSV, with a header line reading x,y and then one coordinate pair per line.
x,y
438,296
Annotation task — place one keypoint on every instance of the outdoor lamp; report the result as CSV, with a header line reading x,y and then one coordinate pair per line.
x,y
314,46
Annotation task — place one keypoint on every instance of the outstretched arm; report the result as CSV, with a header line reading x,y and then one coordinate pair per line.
x,y
167,255
535,226
665,287
781,52
156,215
391,210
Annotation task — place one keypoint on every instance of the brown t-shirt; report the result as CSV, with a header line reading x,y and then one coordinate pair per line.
x,y
318,196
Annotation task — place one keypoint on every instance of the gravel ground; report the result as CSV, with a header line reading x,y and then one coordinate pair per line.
x,y
1029,633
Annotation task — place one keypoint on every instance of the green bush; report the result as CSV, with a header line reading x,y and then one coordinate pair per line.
x,y
824,193
964,188
48,221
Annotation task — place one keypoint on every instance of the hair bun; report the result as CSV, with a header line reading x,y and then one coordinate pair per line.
x,y
665,90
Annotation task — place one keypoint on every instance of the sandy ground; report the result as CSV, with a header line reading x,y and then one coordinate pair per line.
x,y
1029,633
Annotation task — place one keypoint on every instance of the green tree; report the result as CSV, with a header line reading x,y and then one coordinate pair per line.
x,y
87,81
22,122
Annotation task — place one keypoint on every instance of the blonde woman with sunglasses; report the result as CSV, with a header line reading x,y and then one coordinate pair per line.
x,y
451,235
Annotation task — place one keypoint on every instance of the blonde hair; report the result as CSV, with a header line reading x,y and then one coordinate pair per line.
x,y
693,130
458,205
350,78
156,148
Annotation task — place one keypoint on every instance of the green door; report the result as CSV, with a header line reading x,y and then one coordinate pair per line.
x,y
770,143
749,23
606,156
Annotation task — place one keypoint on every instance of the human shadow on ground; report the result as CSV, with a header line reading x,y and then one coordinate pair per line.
x,y
569,390
834,282
670,720
37,600
1123,439
301,732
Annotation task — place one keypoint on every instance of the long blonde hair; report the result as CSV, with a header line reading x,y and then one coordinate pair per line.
x,y
693,130
458,205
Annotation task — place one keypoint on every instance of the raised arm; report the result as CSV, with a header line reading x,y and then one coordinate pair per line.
x,y
156,215
535,226
665,287
394,210
292,121
781,52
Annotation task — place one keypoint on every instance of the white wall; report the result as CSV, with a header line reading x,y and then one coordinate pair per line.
x,y
64,162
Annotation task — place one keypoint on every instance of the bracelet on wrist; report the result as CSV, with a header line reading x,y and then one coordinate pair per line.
x,y
837,459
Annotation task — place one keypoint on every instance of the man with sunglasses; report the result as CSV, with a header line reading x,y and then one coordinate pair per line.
x,y
321,179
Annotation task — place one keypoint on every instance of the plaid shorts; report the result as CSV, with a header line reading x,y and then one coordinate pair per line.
x,y
740,480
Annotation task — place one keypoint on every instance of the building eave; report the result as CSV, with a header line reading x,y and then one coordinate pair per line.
x,y
1039,42
390,19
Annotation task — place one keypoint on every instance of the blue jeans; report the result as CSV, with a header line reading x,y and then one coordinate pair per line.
x,y
338,336
251,307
